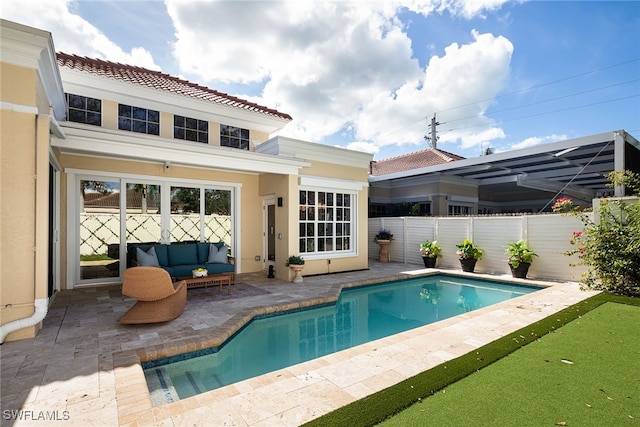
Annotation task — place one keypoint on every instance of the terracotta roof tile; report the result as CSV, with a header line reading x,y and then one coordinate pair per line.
x,y
161,81
416,160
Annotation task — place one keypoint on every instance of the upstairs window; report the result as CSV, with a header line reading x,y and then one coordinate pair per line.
x,y
82,109
136,119
190,129
234,137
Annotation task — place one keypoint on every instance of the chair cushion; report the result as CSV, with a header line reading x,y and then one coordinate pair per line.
x,y
147,259
182,254
217,255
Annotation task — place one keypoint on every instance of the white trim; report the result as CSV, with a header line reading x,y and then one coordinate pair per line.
x,y
295,148
353,251
333,184
95,86
141,147
18,108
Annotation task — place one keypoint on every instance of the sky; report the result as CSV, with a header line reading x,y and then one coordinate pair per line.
x,y
371,75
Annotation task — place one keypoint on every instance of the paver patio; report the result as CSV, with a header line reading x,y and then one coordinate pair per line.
x,y
83,367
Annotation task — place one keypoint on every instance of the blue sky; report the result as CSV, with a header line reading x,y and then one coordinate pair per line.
x,y
370,75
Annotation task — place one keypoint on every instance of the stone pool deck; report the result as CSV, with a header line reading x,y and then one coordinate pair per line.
x,y
83,367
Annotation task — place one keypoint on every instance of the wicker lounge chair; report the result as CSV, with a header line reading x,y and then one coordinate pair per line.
x,y
159,300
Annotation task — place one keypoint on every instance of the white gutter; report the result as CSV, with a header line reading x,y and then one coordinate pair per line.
x,y
41,308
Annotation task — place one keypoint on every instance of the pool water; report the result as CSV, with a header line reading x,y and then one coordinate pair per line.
x,y
360,315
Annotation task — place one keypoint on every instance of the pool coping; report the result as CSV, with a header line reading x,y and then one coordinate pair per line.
x,y
135,406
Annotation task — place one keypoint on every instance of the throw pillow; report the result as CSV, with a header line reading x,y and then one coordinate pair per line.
x,y
147,259
217,256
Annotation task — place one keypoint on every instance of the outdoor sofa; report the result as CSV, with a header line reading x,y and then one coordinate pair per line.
x,y
180,259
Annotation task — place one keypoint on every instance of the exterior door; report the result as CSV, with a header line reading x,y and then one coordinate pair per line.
x,y
269,233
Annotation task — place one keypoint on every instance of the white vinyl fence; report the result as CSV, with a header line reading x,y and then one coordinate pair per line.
x,y
548,235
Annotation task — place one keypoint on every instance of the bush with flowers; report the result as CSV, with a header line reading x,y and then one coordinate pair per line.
x,y
383,235
610,247
563,204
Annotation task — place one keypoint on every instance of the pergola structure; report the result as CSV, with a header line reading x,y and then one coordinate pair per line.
x,y
522,180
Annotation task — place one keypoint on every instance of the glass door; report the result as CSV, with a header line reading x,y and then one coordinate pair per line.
x,y
99,231
143,213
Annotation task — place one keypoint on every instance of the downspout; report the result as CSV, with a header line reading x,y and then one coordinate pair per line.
x,y
41,308
41,305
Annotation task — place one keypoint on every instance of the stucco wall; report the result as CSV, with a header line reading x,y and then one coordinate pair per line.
x,y
23,196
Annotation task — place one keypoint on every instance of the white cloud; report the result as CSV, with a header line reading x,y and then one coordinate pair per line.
x,y
71,33
342,64
337,67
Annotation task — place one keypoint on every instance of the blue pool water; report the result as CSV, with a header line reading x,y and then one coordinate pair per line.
x,y
360,315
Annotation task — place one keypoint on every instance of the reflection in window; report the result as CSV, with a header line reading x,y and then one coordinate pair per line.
x,y
136,119
235,137
325,221
81,109
190,129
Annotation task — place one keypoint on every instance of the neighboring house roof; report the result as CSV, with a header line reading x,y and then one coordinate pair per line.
x,y
415,160
161,81
112,200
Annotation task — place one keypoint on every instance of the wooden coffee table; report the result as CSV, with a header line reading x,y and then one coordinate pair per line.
x,y
210,280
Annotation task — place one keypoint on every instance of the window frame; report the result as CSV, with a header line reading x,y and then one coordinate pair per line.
x,y
85,110
229,138
138,119
336,222
198,129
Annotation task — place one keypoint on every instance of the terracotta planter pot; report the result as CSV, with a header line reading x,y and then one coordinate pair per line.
x,y
429,262
383,253
521,271
298,271
468,265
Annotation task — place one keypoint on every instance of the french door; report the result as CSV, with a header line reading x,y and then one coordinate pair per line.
x,y
115,212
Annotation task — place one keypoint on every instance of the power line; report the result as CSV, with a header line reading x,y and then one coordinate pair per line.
x,y
545,84
526,90
550,112
551,99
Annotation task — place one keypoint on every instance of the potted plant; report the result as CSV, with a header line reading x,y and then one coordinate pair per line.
x,y
296,263
520,258
430,251
468,254
383,239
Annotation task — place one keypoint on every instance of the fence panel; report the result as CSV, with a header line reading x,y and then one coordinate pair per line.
x,y
492,234
548,235
418,230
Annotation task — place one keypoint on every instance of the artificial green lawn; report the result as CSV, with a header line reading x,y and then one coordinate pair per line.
x,y
534,385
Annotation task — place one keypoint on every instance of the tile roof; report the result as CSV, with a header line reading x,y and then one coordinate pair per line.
x,y
161,81
416,160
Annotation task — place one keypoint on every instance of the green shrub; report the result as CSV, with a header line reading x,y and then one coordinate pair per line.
x,y
609,244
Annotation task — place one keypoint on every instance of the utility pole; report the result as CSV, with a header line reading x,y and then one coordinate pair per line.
x,y
433,138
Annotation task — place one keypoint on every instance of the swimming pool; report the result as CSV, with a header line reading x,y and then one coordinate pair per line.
x,y
360,315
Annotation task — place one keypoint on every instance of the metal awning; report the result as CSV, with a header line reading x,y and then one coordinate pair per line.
x,y
575,167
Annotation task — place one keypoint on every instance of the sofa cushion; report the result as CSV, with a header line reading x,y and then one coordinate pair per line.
x,y
182,255
215,268
170,271
148,258
217,254
184,269
163,255
203,252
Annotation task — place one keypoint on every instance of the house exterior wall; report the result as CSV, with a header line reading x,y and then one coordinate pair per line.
x,y
438,190
24,184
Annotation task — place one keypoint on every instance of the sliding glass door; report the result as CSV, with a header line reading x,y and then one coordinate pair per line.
x,y
146,211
